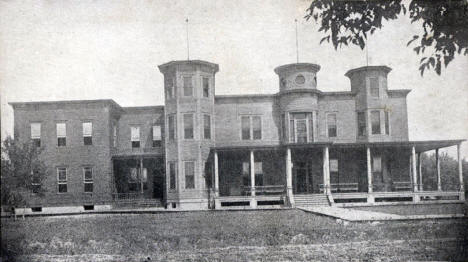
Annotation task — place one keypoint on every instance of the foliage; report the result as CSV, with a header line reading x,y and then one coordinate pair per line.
x,y
22,169
448,174
444,25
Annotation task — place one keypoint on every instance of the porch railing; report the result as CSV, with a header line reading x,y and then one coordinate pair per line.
x,y
127,196
341,187
265,190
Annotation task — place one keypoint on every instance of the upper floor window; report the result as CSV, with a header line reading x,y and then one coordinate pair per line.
x,y
156,136
135,136
189,172
36,134
387,123
207,126
170,87
251,127
61,134
361,121
62,179
301,127
331,125
206,87
172,175
375,122
188,126
188,87
171,126
87,133
88,179
374,87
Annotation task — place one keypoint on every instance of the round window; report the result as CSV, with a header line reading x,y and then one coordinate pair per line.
x,y
300,80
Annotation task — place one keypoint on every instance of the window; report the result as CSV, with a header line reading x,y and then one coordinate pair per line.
x,y
188,88
387,123
374,87
251,127
62,179
283,126
301,127
36,134
206,87
300,80
331,125
258,167
87,133
35,182
361,119
207,126
188,126
171,126
172,175
61,134
375,122
189,171
114,135
333,165
170,86
377,164
245,173
88,179
135,136
133,179
156,136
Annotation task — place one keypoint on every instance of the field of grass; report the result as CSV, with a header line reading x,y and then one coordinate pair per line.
x,y
279,235
432,209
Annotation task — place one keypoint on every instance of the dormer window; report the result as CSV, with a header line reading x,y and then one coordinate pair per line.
x,y
374,87
300,80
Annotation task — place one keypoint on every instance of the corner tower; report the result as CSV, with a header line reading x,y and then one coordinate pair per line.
x,y
189,110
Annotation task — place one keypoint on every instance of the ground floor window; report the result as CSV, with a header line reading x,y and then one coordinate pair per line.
x,y
35,182
172,175
133,179
189,172
62,179
88,179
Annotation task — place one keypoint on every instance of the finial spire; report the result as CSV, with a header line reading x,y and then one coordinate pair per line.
x,y
297,44
188,48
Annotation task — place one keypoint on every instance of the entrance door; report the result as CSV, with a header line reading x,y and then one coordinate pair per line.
x,y
158,183
302,180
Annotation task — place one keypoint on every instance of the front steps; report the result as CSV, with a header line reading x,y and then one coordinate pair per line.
x,y
311,200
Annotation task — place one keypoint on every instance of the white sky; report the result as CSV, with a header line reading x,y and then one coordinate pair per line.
x,y
69,50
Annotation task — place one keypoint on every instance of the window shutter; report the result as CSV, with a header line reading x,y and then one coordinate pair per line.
x,y
87,129
35,130
61,130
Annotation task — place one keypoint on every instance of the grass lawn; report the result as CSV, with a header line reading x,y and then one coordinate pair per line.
x,y
432,209
278,235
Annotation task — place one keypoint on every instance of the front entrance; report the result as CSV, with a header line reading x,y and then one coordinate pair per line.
x,y
302,178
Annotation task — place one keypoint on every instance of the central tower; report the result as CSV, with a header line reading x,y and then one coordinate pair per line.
x,y
189,98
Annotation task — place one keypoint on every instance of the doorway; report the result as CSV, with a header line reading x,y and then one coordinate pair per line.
x,y
302,178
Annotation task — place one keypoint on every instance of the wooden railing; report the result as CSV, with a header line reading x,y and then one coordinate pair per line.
x,y
341,187
265,190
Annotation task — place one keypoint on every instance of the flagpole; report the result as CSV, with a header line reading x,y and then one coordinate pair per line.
x,y
188,48
297,44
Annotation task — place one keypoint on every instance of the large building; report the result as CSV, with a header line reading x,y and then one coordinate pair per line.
x,y
300,146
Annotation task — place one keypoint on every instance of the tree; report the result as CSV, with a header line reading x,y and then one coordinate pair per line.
x,y
444,25
22,172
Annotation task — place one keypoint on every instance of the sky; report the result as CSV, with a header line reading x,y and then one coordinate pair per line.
x,y
96,49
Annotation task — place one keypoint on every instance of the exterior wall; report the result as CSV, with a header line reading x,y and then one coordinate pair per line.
x,y
75,155
346,123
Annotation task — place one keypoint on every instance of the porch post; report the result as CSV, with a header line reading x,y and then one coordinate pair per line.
x,y
420,172
439,182
460,173
370,188
289,188
415,174
253,202
141,174
216,174
326,171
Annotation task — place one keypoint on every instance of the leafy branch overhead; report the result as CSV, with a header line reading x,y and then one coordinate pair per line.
x,y
444,25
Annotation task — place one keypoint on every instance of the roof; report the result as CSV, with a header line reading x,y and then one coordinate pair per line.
x,y
141,109
296,67
386,69
165,66
66,102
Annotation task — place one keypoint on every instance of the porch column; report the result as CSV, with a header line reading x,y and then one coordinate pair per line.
x,y
370,188
141,174
216,174
413,168
326,171
253,202
420,172
439,182
289,188
460,173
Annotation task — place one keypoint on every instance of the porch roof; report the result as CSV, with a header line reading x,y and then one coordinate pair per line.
x,y
420,146
137,156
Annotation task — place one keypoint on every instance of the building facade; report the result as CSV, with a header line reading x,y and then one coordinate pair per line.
x,y
300,146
